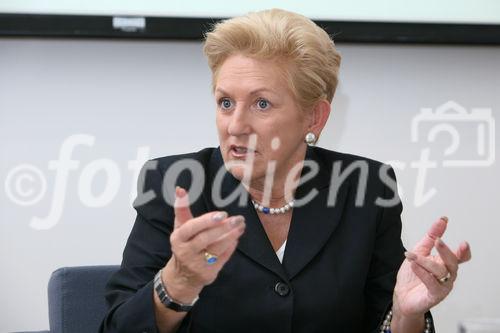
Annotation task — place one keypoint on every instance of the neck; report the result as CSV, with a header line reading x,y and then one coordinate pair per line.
x,y
272,190
276,198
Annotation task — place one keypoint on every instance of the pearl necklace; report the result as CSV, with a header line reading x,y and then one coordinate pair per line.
x,y
269,210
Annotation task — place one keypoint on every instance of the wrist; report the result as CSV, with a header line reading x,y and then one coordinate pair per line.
x,y
177,287
401,315
400,322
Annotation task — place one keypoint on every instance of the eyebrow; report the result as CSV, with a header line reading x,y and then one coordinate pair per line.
x,y
253,92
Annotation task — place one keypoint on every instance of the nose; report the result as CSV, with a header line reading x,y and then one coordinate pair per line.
x,y
239,122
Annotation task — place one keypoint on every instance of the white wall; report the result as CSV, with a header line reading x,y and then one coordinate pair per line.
x,y
133,94
444,11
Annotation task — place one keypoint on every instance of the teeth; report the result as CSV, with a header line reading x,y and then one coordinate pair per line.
x,y
240,150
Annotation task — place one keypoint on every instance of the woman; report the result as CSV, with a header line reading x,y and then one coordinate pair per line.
x,y
274,235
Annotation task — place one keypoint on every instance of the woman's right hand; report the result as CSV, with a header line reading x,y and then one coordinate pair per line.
x,y
187,272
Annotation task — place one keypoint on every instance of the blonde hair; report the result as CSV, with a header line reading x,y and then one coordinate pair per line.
x,y
309,54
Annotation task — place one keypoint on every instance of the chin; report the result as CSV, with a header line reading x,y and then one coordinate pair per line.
x,y
239,168
237,172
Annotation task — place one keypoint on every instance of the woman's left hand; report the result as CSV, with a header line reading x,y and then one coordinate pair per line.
x,y
421,281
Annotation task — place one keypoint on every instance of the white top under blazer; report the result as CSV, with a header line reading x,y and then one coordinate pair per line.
x,y
281,251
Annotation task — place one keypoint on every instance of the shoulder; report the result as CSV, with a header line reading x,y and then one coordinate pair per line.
x,y
164,173
202,156
158,177
347,160
363,172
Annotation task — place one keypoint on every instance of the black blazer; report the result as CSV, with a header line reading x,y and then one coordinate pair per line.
x,y
338,271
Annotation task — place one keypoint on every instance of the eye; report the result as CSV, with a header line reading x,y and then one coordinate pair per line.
x,y
225,103
263,103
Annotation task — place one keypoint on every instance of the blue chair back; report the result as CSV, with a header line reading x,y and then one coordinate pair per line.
x,y
76,298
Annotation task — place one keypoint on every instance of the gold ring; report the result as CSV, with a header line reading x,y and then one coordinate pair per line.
x,y
445,278
210,258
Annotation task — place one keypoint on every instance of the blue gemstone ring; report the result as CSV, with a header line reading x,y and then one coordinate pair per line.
x,y
210,258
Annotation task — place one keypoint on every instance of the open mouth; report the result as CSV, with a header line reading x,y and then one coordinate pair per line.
x,y
240,151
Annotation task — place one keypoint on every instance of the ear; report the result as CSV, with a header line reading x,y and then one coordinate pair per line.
x,y
318,117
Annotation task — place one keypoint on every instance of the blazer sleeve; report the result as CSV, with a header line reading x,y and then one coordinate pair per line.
x,y
387,257
129,291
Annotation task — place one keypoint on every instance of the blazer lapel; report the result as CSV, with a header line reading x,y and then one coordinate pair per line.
x,y
311,226
254,243
314,222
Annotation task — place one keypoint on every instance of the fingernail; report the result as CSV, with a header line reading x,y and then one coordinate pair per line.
x,y
410,256
179,191
439,241
236,221
444,218
217,217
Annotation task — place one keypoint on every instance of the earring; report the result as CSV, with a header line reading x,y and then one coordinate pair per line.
x,y
310,138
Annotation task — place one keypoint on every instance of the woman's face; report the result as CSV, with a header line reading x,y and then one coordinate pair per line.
x,y
254,102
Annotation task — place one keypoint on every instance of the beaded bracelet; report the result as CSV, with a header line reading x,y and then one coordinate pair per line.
x,y
386,325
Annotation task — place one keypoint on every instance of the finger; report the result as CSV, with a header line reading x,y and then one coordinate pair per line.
x,y
427,279
181,207
222,243
463,252
425,245
224,256
196,225
437,269
203,239
448,257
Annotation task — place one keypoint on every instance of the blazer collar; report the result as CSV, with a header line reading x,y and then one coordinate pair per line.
x,y
311,226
